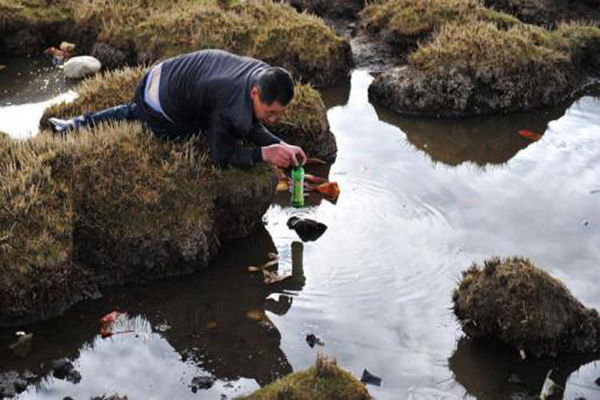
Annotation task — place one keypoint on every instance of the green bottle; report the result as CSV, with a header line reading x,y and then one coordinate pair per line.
x,y
298,186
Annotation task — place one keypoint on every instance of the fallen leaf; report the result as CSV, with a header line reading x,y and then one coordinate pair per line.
x,y
254,268
530,135
314,161
274,277
314,179
2,67
283,186
255,315
110,317
329,190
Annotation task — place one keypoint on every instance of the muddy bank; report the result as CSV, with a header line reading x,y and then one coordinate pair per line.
x,y
549,12
117,33
109,207
482,68
519,304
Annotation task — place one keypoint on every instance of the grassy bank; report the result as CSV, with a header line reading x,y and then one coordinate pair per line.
x,y
325,380
112,206
143,31
473,60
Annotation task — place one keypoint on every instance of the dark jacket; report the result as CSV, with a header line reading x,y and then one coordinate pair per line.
x,y
209,91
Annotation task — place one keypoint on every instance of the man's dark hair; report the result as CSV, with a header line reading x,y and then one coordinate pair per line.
x,y
275,84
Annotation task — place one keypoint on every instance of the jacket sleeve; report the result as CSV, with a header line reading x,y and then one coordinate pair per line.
x,y
261,136
224,148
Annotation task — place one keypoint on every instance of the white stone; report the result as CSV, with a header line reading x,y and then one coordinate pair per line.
x,y
81,66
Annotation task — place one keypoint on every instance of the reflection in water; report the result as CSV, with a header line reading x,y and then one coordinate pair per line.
x,y
494,371
215,322
480,140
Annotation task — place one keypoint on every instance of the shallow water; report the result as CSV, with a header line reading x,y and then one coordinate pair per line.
x,y
27,86
421,199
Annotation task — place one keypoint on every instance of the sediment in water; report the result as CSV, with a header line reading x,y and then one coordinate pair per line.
x,y
521,305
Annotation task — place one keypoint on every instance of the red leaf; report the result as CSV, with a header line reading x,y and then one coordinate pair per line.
x,y
530,135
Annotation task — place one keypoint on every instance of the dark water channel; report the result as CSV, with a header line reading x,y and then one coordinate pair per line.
x,y
421,199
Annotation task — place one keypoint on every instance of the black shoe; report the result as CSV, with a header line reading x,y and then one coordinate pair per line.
x,y
61,125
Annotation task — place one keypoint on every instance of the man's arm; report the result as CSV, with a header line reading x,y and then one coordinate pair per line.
x,y
261,136
224,148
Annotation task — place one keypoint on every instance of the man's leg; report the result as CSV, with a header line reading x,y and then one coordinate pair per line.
x,y
127,112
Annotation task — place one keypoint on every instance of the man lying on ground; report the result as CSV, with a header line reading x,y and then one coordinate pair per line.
x,y
222,95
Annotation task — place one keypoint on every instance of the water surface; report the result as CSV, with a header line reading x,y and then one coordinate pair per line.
x,y
421,199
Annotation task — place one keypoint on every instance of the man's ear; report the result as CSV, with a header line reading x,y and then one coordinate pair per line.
x,y
254,93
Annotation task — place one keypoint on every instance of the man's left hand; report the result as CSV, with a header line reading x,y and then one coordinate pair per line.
x,y
298,153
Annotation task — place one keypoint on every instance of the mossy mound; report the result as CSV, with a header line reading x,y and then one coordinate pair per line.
x,y
305,123
521,305
144,31
334,9
323,381
550,12
480,68
111,206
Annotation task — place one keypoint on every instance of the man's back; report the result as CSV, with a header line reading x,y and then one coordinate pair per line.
x,y
195,86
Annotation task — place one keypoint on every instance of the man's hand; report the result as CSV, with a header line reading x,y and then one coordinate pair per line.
x,y
283,155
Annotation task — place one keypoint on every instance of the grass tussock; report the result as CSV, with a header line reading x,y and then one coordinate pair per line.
x,y
518,303
481,46
325,380
416,18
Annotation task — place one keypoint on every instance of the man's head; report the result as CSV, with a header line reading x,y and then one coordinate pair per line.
x,y
272,92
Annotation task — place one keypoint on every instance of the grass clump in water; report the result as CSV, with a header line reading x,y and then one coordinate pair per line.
x,y
514,301
325,380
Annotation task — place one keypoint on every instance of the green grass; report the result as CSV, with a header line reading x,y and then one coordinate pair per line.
x,y
325,380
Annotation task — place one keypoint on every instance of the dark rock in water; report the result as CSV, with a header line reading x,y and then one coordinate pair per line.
x,y
597,381
369,378
112,397
521,305
11,384
202,382
20,385
312,340
74,376
62,368
308,229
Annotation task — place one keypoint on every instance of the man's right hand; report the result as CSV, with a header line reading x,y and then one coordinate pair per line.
x,y
280,155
